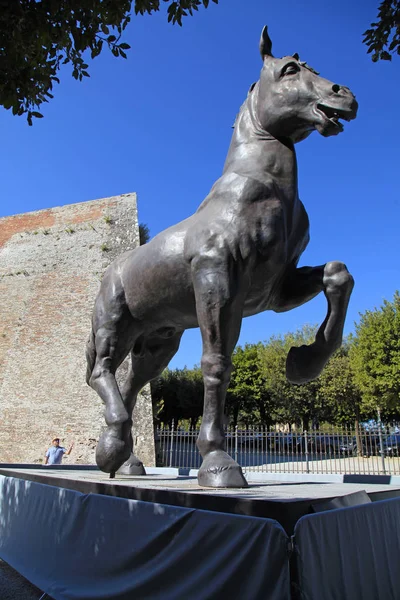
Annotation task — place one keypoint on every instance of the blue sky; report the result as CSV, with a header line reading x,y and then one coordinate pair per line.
x,y
159,124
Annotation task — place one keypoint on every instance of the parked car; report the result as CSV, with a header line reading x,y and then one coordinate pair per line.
x,y
274,441
391,445
247,439
370,446
284,443
348,446
265,440
328,444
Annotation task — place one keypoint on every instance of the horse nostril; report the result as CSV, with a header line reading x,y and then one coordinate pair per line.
x,y
336,88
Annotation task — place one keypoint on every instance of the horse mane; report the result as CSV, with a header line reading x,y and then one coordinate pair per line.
x,y
244,104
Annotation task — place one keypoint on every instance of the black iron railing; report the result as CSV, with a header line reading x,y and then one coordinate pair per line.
x,y
329,451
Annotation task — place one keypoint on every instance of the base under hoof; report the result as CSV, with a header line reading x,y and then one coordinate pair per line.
x,y
219,470
133,466
111,452
305,363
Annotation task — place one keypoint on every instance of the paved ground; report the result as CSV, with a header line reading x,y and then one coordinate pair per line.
x,y
15,587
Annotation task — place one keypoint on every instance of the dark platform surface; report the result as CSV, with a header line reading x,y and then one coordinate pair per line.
x,y
283,501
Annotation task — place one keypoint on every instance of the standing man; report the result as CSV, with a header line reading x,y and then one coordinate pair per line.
x,y
55,453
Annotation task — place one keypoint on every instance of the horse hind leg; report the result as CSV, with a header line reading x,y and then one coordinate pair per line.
x,y
111,449
305,363
111,342
129,392
153,358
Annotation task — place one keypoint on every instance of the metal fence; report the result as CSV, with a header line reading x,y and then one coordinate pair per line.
x,y
341,452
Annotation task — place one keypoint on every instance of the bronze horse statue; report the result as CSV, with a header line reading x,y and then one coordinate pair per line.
x,y
235,257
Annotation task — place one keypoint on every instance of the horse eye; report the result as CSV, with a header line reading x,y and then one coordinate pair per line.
x,y
290,69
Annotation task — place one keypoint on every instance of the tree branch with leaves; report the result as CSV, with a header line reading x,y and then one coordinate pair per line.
x,y
37,37
383,38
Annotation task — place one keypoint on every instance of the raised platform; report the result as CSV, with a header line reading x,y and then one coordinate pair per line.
x,y
266,497
74,533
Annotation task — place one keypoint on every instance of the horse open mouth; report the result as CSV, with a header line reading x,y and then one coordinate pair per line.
x,y
334,114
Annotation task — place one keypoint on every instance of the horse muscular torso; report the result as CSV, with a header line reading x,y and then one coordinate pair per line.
x,y
252,220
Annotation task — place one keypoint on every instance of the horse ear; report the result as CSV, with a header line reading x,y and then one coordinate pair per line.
x,y
265,43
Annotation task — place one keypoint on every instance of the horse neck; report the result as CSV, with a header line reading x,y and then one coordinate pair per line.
x,y
255,153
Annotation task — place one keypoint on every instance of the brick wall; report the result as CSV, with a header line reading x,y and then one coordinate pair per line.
x,y
51,263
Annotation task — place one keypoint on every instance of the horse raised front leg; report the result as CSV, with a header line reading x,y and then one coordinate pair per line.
x,y
219,316
306,362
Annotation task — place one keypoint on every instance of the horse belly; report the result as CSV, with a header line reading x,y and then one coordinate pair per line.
x,y
159,292
264,290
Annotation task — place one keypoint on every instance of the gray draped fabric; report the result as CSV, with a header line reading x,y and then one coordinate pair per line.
x,y
350,553
77,546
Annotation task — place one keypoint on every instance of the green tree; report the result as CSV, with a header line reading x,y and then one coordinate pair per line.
x,y
144,234
375,357
38,36
292,403
338,394
248,400
178,395
383,38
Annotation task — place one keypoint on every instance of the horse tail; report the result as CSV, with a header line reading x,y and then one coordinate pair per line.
x,y
90,356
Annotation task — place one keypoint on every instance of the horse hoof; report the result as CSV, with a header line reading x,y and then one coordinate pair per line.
x,y
133,466
219,470
304,363
111,452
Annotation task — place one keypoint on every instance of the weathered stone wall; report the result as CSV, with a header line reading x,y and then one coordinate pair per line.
x,y
51,263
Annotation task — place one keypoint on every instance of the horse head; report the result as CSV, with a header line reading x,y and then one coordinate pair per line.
x,y
292,100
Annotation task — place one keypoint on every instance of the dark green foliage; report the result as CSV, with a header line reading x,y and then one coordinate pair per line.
x,y
375,356
37,37
248,399
178,395
338,394
292,403
383,39
144,233
176,10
